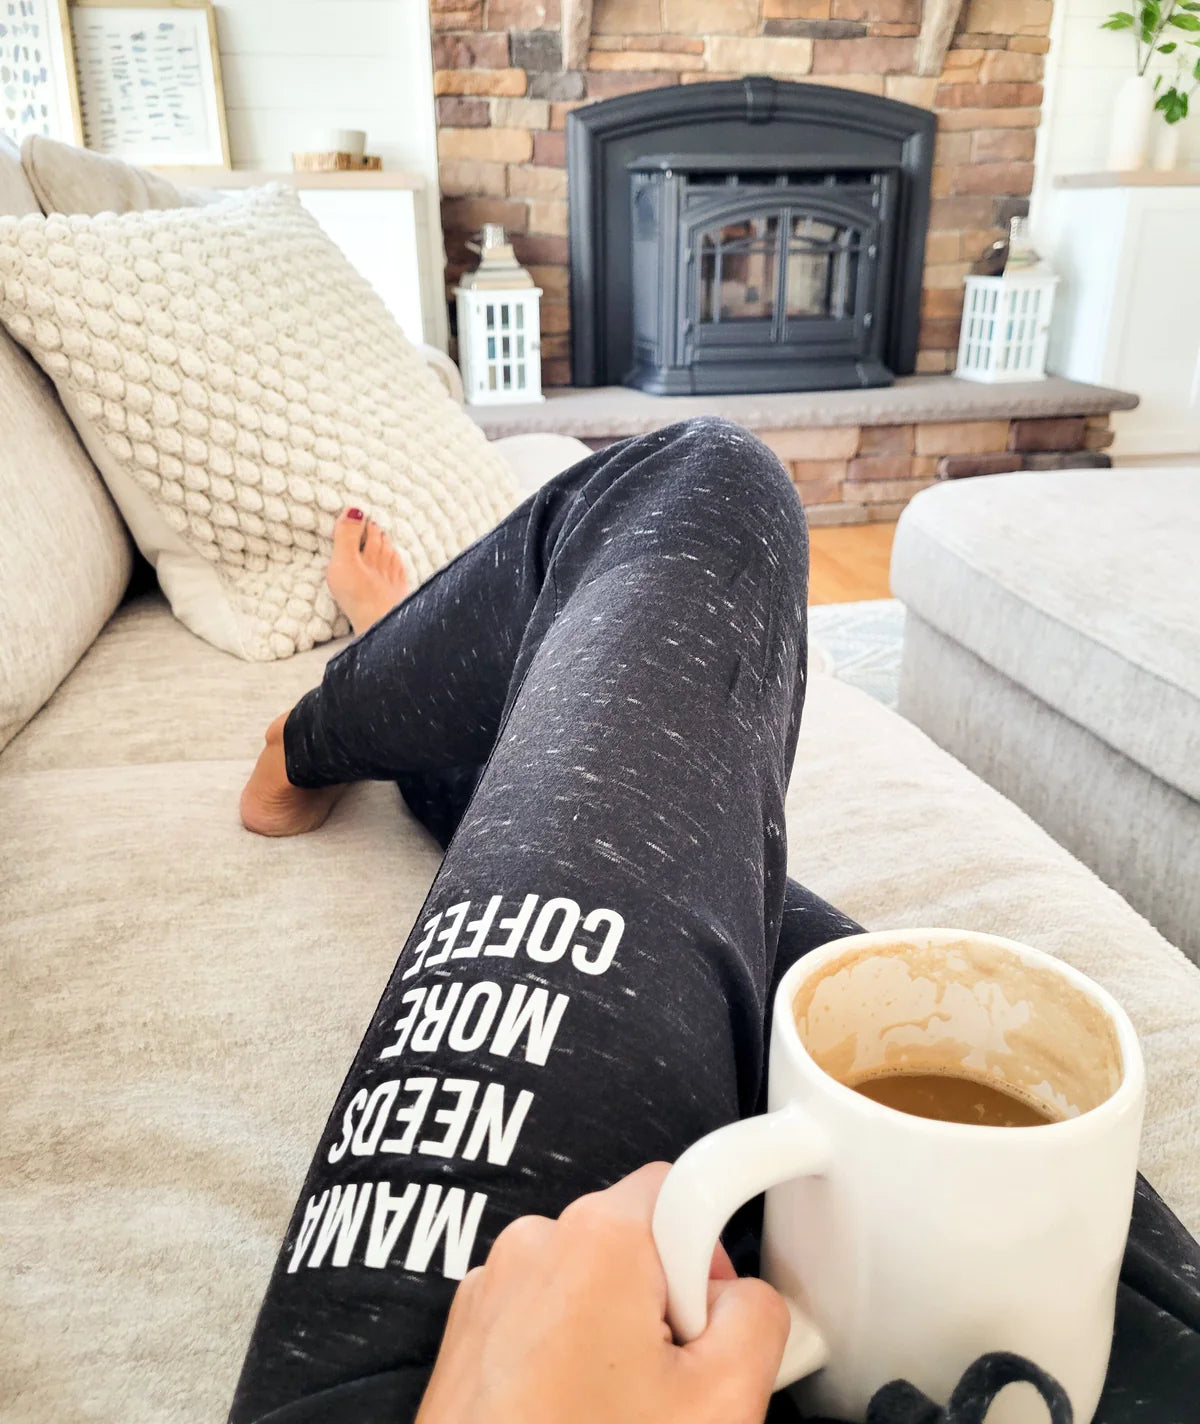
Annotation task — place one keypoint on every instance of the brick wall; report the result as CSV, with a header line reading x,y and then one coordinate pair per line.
x,y
847,474
503,99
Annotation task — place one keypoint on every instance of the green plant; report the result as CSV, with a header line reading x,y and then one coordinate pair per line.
x,y
1153,20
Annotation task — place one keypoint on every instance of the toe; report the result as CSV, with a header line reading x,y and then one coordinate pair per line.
x,y
348,533
373,544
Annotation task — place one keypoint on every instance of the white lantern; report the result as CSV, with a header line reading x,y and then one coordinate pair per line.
x,y
1006,327
1006,318
499,326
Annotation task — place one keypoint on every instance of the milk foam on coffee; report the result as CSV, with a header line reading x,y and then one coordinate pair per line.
x,y
967,1010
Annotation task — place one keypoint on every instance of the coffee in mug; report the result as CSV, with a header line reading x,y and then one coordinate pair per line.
x,y
949,1097
910,1224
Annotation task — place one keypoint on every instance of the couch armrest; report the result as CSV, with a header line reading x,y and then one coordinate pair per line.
x,y
445,370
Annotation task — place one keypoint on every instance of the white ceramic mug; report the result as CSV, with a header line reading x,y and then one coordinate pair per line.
x,y
907,1247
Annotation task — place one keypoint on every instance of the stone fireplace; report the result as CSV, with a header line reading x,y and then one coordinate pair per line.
x,y
510,75
508,72
754,235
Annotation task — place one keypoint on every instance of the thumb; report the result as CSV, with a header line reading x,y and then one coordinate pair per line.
x,y
747,1328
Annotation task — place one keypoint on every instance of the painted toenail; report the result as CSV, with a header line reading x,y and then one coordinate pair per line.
x,y
353,513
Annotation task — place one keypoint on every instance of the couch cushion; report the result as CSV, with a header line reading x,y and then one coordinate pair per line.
x,y
1081,586
64,554
166,974
538,457
238,384
75,180
16,196
184,998
211,707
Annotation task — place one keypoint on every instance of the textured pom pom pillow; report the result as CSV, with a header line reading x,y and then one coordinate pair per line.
x,y
238,384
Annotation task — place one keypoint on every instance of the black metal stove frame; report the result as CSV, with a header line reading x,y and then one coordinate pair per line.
x,y
754,273
775,139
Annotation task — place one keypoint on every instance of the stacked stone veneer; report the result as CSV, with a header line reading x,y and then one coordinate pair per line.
x,y
503,100
860,474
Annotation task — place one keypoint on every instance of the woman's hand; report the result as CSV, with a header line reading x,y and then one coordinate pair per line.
x,y
565,1324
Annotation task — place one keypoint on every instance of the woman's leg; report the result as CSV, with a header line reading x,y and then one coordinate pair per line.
x,y
586,987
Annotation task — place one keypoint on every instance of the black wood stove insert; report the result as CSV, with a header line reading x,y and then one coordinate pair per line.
x,y
752,235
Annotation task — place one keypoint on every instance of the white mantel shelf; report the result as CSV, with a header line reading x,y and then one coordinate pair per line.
x,y
608,412
1132,178
388,180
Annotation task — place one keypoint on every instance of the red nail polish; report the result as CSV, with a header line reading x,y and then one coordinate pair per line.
x,y
353,513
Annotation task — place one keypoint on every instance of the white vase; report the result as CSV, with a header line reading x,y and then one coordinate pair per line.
x,y
1132,111
1166,147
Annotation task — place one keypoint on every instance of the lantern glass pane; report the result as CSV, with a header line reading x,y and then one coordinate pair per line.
x,y
520,315
491,317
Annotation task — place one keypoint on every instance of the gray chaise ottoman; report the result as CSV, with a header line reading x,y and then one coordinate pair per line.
x,y
1053,645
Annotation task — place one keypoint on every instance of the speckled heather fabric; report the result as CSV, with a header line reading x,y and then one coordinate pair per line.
x,y
596,707
624,656
238,384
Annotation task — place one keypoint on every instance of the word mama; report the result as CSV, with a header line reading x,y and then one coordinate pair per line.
x,y
371,1217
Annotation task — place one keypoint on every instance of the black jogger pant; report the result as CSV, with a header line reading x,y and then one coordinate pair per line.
x,y
595,709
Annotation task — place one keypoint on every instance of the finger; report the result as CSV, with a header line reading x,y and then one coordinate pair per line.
x,y
746,1332
636,1194
466,1297
722,1267
524,1241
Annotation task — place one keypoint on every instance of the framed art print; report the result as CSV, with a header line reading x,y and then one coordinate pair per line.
x,y
37,75
149,79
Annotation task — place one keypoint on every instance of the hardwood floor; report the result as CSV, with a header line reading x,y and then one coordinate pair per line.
x,y
850,563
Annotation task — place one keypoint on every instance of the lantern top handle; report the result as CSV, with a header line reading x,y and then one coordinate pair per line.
x,y
498,268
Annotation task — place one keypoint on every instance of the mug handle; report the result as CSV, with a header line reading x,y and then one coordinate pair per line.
x,y
701,1192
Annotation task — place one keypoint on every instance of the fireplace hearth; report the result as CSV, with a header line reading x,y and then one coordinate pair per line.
x,y
753,235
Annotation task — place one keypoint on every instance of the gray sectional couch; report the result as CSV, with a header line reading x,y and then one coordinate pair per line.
x,y
1052,643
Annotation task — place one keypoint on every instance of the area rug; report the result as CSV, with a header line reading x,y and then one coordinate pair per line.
x,y
861,644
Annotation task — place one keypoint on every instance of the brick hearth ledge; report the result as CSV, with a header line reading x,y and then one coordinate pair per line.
x,y
860,455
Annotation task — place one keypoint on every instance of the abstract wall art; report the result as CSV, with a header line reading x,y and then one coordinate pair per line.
x,y
37,77
150,81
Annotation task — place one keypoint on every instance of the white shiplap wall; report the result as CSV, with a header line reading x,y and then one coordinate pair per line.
x,y
296,68
1084,70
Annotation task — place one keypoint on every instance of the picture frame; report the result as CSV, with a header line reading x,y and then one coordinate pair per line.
x,y
38,92
149,84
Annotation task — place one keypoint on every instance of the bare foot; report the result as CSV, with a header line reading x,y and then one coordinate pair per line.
x,y
365,574
271,805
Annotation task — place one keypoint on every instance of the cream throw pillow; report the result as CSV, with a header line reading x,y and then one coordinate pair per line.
x,y
75,180
238,384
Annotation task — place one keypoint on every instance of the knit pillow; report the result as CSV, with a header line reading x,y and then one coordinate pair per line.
x,y
238,384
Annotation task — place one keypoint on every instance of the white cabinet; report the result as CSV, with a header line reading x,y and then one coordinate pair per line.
x,y
386,224
1128,311
378,233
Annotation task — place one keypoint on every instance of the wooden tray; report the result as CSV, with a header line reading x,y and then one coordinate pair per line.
x,y
334,162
